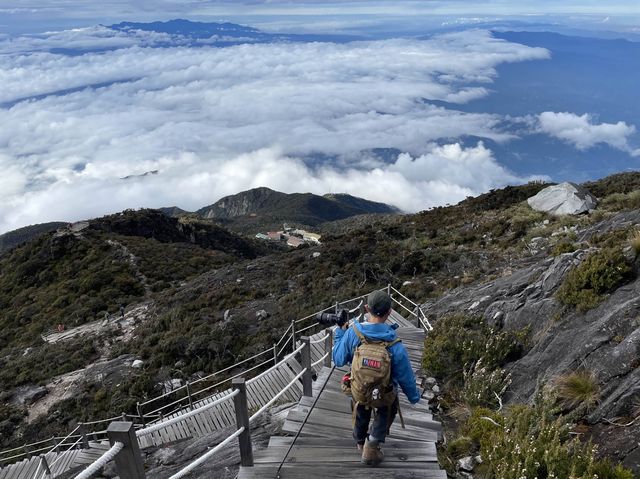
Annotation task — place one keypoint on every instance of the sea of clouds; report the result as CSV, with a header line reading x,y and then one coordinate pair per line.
x,y
296,117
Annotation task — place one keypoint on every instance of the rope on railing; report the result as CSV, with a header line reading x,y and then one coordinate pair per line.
x,y
204,457
320,360
101,461
277,396
320,340
182,417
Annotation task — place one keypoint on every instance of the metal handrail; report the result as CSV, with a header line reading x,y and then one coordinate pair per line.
x,y
217,373
101,461
276,366
277,396
218,384
286,338
163,424
320,340
183,472
424,321
313,365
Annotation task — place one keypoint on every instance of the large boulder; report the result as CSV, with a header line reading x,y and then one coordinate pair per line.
x,y
563,199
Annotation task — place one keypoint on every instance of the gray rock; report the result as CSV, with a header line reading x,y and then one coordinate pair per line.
x,y
315,254
466,463
262,314
138,363
435,389
428,395
563,199
430,381
32,394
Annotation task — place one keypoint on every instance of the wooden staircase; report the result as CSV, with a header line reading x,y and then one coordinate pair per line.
x,y
325,448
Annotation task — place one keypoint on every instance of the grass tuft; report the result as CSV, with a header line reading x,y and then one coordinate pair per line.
x,y
578,388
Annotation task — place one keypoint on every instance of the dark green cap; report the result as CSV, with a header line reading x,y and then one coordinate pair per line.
x,y
379,303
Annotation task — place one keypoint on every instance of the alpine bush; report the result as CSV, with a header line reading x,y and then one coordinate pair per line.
x,y
588,284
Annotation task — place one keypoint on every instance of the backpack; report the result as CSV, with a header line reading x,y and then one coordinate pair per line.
x,y
370,379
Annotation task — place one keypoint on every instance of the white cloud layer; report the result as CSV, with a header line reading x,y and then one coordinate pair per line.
x,y
215,121
581,132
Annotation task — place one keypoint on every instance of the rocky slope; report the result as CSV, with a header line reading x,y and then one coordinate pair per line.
x,y
604,340
214,297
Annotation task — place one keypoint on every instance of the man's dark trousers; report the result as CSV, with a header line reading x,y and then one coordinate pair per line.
x,y
383,418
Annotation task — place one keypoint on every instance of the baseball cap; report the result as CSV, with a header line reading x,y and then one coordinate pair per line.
x,y
379,303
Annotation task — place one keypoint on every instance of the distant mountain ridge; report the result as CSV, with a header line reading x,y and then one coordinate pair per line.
x,y
305,208
224,34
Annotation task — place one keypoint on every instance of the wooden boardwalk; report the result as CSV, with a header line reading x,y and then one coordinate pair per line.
x,y
325,448
31,468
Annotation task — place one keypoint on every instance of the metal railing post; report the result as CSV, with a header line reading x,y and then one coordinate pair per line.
x,y
242,420
307,377
337,307
293,335
139,409
129,460
124,417
190,398
45,465
362,311
82,430
389,289
55,444
328,347
275,355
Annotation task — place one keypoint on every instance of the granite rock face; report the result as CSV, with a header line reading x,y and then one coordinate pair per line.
x,y
605,340
563,199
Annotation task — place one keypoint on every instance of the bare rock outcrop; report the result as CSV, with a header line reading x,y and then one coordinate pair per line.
x,y
563,199
605,340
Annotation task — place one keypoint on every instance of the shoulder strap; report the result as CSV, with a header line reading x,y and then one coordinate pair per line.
x,y
397,340
361,336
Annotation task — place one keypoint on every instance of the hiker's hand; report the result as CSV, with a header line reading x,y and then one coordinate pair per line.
x,y
345,326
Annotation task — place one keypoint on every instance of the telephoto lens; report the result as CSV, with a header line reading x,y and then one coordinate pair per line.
x,y
329,319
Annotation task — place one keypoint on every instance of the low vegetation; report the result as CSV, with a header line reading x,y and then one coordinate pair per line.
x,y
586,286
578,388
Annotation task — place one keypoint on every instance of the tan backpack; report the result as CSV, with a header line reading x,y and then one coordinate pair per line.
x,y
371,383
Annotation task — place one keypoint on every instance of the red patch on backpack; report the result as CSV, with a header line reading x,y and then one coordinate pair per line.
x,y
371,363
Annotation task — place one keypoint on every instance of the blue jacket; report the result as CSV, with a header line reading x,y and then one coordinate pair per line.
x,y
346,342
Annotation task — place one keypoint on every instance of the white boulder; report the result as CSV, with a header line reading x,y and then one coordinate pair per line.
x,y
138,363
563,199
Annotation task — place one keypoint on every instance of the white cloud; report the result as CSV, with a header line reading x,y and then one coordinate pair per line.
x,y
74,125
580,131
444,174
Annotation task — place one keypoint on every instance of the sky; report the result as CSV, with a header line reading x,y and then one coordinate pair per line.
x,y
83,106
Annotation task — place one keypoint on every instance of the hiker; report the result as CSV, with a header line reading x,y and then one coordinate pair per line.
x,y
380,363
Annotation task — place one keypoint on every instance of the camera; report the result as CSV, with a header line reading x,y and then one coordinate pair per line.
x,y
329,319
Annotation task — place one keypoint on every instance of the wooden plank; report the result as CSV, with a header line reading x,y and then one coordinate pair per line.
x,y
338,471
327,455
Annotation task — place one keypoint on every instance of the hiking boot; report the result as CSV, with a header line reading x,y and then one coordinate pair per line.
x,y
371,454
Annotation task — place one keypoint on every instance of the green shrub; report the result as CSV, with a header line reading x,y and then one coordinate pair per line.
x,y
578,388
564,246
528,442
459,340
460,447
588,284
634,242
484,387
